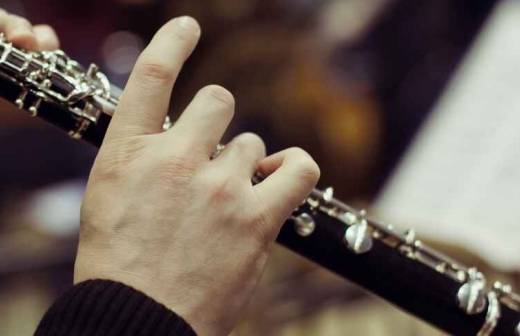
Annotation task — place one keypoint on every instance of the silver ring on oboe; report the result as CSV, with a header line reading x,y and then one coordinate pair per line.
x,y
217,152
492,315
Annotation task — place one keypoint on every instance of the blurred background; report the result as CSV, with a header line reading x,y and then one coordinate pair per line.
x,y
351,81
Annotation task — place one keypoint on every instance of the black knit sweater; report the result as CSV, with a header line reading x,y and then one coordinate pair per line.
x,y
102,307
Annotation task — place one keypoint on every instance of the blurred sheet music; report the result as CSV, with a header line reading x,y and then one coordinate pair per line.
x,y
460,181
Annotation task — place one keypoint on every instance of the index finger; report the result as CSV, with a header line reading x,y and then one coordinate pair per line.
x,y
145,100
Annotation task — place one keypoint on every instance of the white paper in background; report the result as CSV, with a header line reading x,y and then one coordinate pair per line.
x,y
460,181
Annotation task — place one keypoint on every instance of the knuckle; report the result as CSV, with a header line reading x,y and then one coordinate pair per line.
x,y
183,150
155,71
221,189
18,20
220,95
247,140
305,165
173,169
173,164
47,28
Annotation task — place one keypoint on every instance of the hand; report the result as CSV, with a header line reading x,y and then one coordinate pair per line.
x,y
23,34
160,216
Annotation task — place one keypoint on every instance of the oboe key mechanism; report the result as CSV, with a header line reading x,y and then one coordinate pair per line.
x,y
492,315
506,295
304,224
358,237
471,296
51,78
328,194
509,298
20,101
33,110
348,218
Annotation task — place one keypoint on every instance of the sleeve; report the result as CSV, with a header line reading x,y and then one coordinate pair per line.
x,y
102,307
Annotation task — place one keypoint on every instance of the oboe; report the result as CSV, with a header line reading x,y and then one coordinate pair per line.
x,y
392,264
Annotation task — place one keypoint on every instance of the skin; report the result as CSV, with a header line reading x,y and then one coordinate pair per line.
x,y
25,35
158,214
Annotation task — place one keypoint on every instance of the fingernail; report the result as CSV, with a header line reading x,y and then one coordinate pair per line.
x,y
188,22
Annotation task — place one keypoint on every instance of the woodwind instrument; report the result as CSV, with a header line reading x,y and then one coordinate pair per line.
x,y
392,264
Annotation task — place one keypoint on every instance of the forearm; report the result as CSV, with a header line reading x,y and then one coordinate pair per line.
x,y
102,307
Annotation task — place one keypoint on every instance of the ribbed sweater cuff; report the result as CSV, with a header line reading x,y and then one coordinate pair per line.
x,y
102,307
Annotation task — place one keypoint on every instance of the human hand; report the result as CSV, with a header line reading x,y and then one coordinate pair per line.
x,y
23,34
161,216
